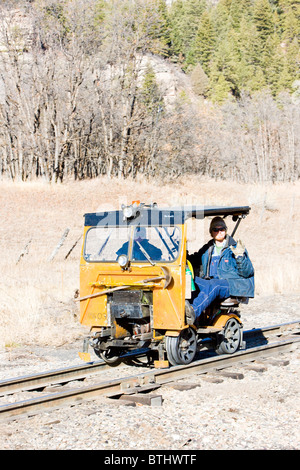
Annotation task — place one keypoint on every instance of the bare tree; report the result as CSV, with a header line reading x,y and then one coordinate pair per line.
x,y
78,99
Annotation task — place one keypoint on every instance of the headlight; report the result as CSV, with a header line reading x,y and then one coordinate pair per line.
x,y
123,261
132,210
128,212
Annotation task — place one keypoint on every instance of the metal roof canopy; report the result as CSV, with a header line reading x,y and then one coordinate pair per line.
x,y
146,215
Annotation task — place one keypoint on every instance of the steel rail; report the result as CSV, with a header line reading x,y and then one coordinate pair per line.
x,y
203,366
145,381
52,377
64,375
275,330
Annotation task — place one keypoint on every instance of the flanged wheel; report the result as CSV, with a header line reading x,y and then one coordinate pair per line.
x,y
231,338
109,356
181,349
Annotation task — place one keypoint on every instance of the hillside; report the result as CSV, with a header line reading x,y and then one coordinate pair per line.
x,y
121,88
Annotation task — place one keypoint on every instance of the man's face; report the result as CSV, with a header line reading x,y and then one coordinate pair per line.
x,y
218,234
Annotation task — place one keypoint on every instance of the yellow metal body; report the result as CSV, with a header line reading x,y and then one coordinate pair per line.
x,y
152,315
222,320
168,302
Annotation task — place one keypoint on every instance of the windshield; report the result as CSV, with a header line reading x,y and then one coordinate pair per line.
x,y
149,243
156,243
103,243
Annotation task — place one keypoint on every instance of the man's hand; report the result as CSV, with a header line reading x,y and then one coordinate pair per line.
x,y
239,250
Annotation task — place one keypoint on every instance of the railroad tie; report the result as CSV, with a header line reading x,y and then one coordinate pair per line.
x,y
229,374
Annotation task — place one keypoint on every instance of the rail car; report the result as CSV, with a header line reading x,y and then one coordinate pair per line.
x,y
135,282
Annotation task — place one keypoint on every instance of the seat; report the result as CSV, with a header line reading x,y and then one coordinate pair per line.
x,y
229,302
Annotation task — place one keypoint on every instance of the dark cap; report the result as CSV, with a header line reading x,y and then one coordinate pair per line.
x,y
217,222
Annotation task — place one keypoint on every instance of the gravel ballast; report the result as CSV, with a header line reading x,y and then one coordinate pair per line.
x,y
258,411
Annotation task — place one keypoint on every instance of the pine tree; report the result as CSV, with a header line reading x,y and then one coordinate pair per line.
x,y
258,81
193,10
203,44
200,81
219,17
293,57
248,46
290,70
293,6
150,95
291,25
263,19
272,62
177,29
184,20
165,28
238,10
284,81
221,91
225,62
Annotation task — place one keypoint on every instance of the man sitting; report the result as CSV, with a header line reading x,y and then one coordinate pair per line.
x,y
225,270
142,249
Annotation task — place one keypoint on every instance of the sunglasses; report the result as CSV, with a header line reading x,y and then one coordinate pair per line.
x,y
218,229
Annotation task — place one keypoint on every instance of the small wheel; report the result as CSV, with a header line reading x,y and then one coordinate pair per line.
x,y
231,338
109,356
181,349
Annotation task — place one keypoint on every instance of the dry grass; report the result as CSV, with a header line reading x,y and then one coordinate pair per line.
x,y
37,295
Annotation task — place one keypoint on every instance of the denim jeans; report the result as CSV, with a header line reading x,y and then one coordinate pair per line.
x,y
209,291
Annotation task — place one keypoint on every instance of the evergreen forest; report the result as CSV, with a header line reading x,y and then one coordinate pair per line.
x,y
238,46
80,94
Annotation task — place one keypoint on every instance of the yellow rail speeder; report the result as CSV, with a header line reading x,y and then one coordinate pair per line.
x,y
134,284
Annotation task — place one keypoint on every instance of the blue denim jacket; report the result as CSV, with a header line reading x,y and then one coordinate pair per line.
x,y
239,272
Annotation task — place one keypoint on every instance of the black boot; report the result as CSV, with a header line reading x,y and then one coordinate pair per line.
x,y
190,316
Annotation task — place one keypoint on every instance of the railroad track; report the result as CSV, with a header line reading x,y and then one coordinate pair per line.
x,y
272,340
